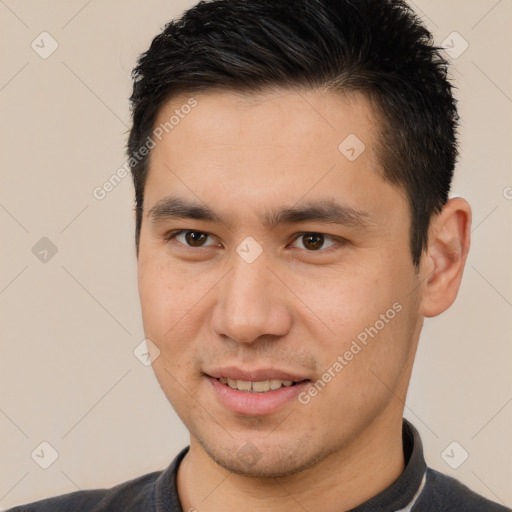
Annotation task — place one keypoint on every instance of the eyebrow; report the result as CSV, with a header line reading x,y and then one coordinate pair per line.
x,y
326,211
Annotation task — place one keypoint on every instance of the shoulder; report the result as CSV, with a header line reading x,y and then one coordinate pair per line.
x,y
444,493
133,495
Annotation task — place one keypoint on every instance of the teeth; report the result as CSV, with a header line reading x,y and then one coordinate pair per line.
x,y
255,387
244,385
262,386
275,384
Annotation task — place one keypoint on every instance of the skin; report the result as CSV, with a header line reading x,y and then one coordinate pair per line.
x,y
293,308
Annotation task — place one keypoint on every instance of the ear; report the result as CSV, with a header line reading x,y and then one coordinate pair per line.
x,y
443,261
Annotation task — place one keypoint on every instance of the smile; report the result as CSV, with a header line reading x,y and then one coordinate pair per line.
x,y
262,386
258,397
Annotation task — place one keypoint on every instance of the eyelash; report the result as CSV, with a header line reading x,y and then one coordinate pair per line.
x,y
340,241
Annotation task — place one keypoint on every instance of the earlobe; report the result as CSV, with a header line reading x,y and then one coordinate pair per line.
x,y
443,265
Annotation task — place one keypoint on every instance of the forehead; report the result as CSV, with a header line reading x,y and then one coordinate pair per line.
x,y
256,149
267,119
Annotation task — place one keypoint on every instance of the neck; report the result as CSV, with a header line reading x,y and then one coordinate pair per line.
x,y
345,479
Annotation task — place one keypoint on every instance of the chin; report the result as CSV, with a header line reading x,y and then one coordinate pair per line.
x,y
265,460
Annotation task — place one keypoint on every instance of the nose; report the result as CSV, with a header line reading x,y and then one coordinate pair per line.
x,y
251,303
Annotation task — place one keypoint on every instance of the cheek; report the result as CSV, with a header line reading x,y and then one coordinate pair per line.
x,y
374,309
368,359
170,322
173,306
156,299
347,301
163,288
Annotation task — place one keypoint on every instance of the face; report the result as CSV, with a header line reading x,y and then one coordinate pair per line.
x,y
270,253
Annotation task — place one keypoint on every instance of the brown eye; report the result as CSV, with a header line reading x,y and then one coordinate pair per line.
x,y
314,241
195,238
191,238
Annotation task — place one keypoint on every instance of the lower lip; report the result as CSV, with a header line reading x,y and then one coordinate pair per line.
x,y
256,404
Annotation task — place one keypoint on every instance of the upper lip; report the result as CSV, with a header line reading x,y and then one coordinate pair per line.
x,y
255,375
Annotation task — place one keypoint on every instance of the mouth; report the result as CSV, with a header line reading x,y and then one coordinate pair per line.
x,y
256,397
262,386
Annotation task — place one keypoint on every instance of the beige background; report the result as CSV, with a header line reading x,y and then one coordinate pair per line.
x,y
68,375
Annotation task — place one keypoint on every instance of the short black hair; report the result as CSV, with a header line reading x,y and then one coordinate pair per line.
x,y
379,48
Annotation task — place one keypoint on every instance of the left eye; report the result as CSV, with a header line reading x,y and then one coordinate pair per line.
x,y
314,241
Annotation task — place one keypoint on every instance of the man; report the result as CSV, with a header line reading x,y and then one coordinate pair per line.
x,y
292,163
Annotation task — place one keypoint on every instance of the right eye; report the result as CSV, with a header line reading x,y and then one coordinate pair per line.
x,y
189,238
